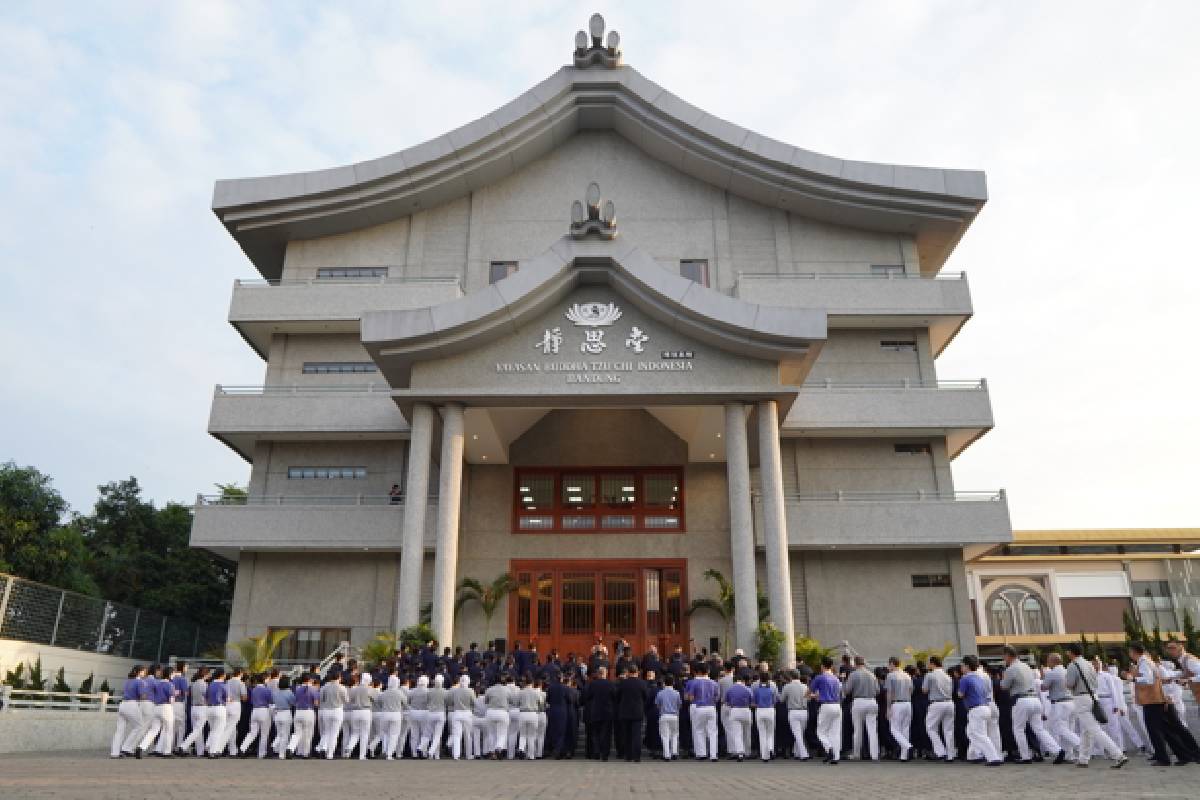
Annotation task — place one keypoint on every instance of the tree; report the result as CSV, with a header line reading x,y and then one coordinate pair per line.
x,y
381,648
257,653
724,604
488,596
60,681
811,652
141,556
86,686
768,643
33,542
416,636
1190,635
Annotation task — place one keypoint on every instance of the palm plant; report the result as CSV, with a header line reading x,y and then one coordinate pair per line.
x,y
723,605
810,651
923,655
472,590
381,648
257,653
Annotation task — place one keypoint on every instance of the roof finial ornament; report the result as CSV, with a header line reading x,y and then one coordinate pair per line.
x,y
601,52
601,224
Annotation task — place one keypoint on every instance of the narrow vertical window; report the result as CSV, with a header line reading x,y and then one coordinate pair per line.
x,y
695,269
499,270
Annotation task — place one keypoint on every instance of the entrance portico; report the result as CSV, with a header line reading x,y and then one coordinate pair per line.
x,y
596,325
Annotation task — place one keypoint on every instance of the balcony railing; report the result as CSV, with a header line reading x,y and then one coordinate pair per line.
x,y
300,388
882,276
917,496
449,280
899,384
300,500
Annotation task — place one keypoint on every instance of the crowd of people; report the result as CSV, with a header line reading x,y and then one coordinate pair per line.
x,y
425,703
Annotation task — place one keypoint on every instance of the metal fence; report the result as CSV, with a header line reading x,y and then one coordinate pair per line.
x,y
35,612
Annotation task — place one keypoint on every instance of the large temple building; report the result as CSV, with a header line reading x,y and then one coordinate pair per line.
x,y
604,341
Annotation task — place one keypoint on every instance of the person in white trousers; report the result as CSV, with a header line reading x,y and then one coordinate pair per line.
x,y
179,708
260,716
765,698
362,698
392,701
216,700
435,720
514,717
199,696
236,694
304,716
668,702
975,689
481,732
795,698
461,706
496,700
939,716
1062,706
283,704
828,690
418,708
129,715
993,721
1018,681
162,725
528,703
863,687
331,711
1082,682
737,704
898,689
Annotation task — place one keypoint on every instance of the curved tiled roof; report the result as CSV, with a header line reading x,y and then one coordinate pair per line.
x,y
935,205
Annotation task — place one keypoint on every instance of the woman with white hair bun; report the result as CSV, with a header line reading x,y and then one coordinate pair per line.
x,y
361,697
391,704
418,710
435,720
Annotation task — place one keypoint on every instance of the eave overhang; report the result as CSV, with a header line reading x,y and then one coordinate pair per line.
x,y
790,336
934,205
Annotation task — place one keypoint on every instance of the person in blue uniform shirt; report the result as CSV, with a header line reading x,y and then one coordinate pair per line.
x,y
180,705
976,693
739,699
260,716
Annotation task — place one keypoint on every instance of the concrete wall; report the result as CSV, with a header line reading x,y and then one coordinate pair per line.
x,y
668,214
290,351
384,461
864,465
78,664
855,356
40,731
867,599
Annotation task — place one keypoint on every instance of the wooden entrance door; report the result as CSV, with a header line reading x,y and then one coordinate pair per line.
x,y
571,605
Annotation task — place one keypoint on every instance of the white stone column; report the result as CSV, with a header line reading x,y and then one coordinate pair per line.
x,y
445,559
416,502
741,528
775,538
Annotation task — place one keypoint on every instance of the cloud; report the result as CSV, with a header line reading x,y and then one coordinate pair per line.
x,y
116,119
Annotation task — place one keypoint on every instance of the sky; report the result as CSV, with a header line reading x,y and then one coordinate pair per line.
x,y
115,276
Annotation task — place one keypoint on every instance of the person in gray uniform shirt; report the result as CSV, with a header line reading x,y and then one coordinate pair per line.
x,y
939,716
362,698
496,698
418,710
1081,680
528,703
283,700
460,704
668,703
899,689
392,702
795,698
1027,708
435,720
1062,706
331,704
863,689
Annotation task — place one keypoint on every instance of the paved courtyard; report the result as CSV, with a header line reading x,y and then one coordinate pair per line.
x,y
95,776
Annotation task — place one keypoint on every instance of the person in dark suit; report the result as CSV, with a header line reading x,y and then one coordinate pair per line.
x,y
557,698
631,712
570,737
598,698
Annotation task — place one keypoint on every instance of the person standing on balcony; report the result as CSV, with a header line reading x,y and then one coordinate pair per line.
x,y
129,716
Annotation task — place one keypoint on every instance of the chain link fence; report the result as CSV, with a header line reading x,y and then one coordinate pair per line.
x,y
34,612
